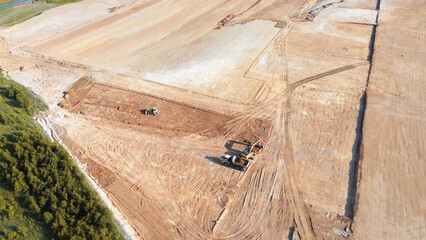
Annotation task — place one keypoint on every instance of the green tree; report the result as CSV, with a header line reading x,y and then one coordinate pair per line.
x,y
43,172
47,216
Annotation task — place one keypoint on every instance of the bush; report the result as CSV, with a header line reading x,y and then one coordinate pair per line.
x,y
47,217
4,118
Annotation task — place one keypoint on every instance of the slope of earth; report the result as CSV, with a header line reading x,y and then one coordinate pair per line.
x,y
221,73
187,53
392,193
60,19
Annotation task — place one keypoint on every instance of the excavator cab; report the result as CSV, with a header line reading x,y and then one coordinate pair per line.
x,y
226,160
234,161
252,149
153,111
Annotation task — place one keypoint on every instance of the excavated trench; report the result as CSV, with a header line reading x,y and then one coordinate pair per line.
x,y
354,174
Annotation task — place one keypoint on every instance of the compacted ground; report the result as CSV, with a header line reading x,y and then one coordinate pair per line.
x,y
392,191
298,74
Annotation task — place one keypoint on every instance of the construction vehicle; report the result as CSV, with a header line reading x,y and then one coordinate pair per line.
x,y
252,149
152,111
236,162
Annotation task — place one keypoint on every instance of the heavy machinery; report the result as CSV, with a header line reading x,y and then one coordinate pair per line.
x,y
152,111
252,149
236,162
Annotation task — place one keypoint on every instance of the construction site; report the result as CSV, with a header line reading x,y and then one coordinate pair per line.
x,y
238,119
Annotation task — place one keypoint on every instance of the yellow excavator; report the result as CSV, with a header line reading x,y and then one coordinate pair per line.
x,y
252,149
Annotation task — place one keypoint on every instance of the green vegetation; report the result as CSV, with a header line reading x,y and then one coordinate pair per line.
x,y
16,220
62,2
43,194
11,15
4,2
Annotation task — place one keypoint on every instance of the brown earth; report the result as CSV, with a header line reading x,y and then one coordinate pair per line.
x,y
223,73
117,105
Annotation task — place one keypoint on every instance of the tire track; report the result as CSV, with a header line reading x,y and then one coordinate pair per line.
x,y
279,103
327,73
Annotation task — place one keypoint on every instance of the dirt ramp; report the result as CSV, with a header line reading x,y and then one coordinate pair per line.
x,y
76,92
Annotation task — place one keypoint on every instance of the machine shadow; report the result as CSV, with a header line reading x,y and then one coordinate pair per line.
x,y
216,160
231,147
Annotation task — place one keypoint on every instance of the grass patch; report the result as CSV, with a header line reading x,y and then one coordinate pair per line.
x,y
43,193
62,2
4,2
11,16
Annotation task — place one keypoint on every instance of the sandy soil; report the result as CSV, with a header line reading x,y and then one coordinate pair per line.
x,y
392,193
223,73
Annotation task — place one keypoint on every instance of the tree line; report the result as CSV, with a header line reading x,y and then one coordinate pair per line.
x,y
54,188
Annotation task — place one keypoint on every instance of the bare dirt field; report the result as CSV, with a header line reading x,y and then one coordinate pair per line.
x,y
392,191
223,73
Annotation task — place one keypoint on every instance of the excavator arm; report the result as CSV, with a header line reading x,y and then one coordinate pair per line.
x,y
257,142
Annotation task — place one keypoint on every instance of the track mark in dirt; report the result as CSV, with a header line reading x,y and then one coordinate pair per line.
x,y
303,11
109,103
251,7
248,129
282,102
278,104
301,215
227,21
314,11
328,73
225,210
78,91
183,90
280,38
